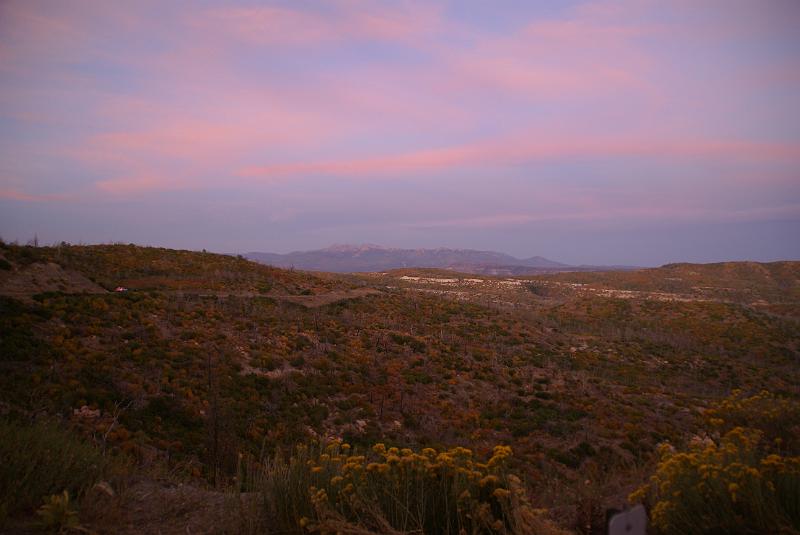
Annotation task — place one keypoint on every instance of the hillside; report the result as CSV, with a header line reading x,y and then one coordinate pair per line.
x,y
211,361
755,283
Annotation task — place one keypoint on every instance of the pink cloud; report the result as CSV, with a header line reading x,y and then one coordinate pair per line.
x,y
169,136
403,163
556,59
147,183
29,32
55,33
187,140
523,149
642,209
342,21
555,82
17,195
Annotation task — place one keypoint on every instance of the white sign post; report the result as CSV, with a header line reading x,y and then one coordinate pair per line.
x,y
630,522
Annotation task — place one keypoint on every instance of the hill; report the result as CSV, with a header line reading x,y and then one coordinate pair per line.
x,y
211,364
765,284
368,258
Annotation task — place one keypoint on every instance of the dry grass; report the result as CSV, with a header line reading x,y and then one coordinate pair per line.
x,y
42,459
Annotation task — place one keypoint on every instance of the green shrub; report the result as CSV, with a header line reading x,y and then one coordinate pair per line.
x,y
42,459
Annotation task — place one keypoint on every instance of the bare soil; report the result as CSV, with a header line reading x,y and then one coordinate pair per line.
x,y
25,282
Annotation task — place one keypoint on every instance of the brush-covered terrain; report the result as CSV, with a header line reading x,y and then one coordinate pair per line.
x,y
217,395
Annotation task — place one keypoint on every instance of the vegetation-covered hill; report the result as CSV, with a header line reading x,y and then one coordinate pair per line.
x,y
210,362
144,268
744,282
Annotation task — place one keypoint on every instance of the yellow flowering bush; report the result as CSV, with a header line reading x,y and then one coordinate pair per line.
x,y
331,489
744,481
777,418
58,513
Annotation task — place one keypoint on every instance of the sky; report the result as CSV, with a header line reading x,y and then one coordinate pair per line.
x,y
600,132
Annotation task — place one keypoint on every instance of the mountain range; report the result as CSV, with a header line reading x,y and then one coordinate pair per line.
x,y
370,258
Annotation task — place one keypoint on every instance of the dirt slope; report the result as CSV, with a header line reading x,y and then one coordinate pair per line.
x,y
25,282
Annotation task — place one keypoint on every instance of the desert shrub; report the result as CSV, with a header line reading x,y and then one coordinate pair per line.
x,y
403,339
42,459
332,489
744,481
18,323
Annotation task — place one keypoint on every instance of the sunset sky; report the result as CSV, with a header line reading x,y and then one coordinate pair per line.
x,y
631,132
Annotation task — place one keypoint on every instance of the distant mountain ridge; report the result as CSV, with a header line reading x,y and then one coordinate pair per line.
x,y
344,258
